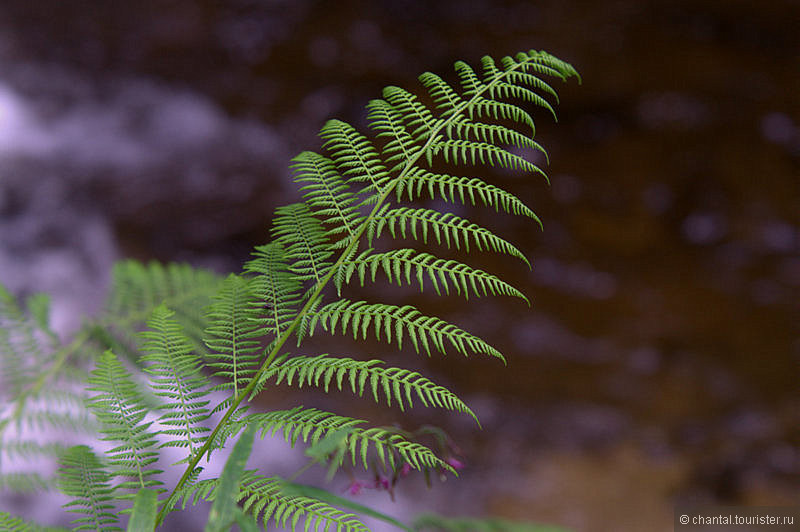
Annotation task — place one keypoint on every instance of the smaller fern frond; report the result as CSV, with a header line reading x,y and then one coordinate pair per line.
x,y
24,346
305,241
83,477
118,405
396,384
41,390
232,325
393,322
401,264
175,376
136,289
446,228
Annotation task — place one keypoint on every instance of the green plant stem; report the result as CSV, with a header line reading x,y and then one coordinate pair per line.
x,y
321,284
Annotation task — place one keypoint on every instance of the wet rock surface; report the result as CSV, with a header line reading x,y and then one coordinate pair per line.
x,y
659,361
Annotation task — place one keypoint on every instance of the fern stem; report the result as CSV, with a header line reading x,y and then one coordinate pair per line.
x,y
355,238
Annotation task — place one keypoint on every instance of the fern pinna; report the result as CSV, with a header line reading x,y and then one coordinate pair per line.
x,y
360,189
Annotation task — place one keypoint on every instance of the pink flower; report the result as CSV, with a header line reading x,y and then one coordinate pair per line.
x,y
355,487
405,470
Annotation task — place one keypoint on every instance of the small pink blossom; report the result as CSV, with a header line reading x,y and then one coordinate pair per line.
x,y
355,487
405,470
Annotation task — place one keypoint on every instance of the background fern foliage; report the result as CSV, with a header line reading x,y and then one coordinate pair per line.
x,y
179,353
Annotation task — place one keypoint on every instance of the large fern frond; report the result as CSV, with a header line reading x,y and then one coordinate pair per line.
x,y
83,477
393,322
397,384
175,376
119,407
349,189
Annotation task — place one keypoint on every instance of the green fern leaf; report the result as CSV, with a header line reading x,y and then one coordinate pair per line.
x,y
402,263
305,241
118,406
327,193
261,497
465,190
393,322
309,425
471,125
233,324
396,384
446,228
10,523
400,146
175,377
355,156
83,477
276,290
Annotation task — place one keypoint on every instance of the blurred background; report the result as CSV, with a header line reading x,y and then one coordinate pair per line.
x,y
659,361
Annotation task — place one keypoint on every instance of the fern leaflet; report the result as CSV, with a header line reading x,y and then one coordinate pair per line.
x,y
118,406
261,497
445,227
233,326
83,477
305,241
396,384
400,263
393,321
175,376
